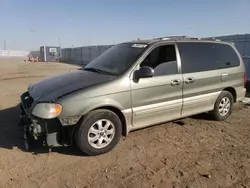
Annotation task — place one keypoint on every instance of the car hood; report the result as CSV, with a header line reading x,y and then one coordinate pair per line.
x,y
51,88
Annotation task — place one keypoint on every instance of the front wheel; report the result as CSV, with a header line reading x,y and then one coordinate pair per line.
x,y
99,132
223,106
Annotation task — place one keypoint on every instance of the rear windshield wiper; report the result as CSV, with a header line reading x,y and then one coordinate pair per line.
x,y
92,69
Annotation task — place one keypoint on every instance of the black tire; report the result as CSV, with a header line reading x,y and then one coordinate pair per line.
x,y
82,132
215,114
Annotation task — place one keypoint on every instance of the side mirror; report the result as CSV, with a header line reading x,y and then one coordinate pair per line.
x,y
144,72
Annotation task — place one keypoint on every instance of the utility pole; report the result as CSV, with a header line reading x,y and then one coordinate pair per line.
x,y
59,41
32,30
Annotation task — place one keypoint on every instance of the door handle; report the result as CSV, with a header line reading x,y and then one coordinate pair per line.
x,y
175,82
224,77
190,80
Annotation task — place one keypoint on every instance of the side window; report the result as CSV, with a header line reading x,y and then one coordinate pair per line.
x,y
226,56
198,56
163,60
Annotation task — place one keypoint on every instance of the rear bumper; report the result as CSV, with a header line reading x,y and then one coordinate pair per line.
x,y
49,132
241,93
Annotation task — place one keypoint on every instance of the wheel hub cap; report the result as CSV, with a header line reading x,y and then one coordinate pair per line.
x,y
101,133
224,106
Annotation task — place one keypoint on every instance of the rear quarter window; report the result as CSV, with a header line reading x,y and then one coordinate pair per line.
x,y
201,56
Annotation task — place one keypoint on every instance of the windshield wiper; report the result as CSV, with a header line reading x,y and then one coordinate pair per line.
x,y
92,69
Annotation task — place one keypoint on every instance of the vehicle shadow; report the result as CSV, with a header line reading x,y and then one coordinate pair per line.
x,y
11,136
203,116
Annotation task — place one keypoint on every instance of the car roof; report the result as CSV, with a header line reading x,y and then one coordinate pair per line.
x,y
176,39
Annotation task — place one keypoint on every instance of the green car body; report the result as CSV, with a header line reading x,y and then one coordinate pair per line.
x,y
140,83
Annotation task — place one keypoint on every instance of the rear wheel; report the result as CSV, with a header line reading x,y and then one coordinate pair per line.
x,y
99,132
223,106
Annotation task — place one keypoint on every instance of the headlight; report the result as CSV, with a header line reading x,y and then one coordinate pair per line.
x,y
47,110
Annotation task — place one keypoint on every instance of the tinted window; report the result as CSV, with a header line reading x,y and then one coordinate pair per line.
x,y
163,60
197,57
116,60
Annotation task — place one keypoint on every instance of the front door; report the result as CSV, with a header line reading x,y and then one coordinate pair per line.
x,y
159,98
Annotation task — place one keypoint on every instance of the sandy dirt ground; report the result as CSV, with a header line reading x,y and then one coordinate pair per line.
x,y
193,152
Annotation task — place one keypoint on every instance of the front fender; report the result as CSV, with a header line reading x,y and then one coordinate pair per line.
x,y
73,110
91,105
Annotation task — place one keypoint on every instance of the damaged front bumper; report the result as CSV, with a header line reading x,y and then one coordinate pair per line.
x,y
50,132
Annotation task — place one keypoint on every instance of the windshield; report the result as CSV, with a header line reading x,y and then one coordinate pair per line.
x,y
116,60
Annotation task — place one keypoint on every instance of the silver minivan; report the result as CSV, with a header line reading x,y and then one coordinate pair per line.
x,y
131,86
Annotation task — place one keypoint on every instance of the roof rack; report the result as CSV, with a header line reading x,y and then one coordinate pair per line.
x,y
175,37
211,38
185,37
